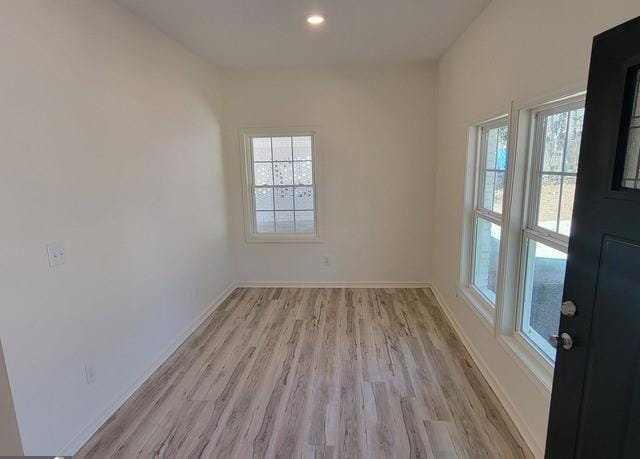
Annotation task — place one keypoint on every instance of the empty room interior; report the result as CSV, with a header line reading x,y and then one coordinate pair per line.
x,y
320,228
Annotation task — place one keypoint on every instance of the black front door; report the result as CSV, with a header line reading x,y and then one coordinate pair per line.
x,y
595,403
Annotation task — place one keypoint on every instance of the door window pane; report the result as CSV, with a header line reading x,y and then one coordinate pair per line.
x,y
543,284
486,258
631,175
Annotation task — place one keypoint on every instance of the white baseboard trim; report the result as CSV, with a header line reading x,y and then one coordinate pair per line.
x,y
334,284
72,447
501,394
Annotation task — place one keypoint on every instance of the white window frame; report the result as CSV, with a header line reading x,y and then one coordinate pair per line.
x,y
474,209
504,324
531,231
251,234
517,214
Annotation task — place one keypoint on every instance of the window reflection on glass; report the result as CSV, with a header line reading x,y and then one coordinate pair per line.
x,y
543,285
562,133
486,258
494,168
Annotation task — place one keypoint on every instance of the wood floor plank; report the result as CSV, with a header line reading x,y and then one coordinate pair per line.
x,y
221,404
288,441
417,446
383,437
335,373
325,383
264,437
350,427
248,392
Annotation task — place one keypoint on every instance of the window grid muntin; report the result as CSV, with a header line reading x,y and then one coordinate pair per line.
x,y
479,211
293,186
531,230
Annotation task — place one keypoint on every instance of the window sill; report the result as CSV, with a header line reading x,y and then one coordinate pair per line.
x,y
480,306
285,239
539,369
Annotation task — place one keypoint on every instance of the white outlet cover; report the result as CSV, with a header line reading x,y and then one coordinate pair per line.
x,y
56,253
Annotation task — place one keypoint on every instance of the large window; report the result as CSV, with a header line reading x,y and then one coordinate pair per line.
x,y
280,186
554,152
521,182
487,215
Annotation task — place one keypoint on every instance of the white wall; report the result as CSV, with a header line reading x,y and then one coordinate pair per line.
x,y
111,143
377,144
515,50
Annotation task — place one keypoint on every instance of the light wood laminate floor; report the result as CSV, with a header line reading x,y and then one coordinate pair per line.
x,y
315,373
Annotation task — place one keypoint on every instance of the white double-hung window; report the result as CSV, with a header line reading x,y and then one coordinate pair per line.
x,y
487,218
521,182
553,166
280,179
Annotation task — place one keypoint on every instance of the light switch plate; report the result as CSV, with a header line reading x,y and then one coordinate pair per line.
x,y
56,253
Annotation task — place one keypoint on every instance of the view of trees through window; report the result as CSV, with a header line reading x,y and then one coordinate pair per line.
x,y
545,175
557,149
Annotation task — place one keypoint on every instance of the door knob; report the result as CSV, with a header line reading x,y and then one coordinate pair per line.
x,y
563,340
568,308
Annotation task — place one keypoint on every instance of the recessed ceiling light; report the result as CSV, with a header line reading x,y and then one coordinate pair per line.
x,y
315,19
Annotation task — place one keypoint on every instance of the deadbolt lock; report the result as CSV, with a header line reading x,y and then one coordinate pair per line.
x,y
568,308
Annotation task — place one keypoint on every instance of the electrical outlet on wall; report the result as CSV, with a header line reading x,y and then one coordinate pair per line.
x,y
90,373
56,253
326,261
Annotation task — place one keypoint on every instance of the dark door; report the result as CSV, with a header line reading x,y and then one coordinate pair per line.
x,y
595,403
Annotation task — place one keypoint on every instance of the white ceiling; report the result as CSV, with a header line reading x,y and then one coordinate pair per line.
x,y
271,33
